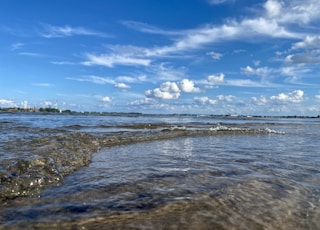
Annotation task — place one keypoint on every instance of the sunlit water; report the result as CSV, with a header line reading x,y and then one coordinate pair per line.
x,y
232,181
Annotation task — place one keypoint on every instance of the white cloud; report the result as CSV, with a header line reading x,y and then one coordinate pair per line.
x,y
204,100
245,83
106,99
172,90
303,58
94,79
7,103
186,40
261,71
31,54
167,91
43,84
114,59
264,27
165,72
146,28
145,101
216,78
67,31
187,86
295,96
317,97
297,12
50,104
62,63
273,8
122,86
259,101
218,2
215,55
195,39
17,46
227,98
310,42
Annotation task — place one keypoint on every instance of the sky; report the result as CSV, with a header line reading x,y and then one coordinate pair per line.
x,y
246,57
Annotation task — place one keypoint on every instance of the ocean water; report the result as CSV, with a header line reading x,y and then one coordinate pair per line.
x,y
159,172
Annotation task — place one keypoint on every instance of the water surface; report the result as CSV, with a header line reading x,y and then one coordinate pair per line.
x,y
232,174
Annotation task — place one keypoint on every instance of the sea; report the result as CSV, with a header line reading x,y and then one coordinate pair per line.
x,y
140,171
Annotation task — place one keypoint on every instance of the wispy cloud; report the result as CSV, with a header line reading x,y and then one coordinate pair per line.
x,y
114,59
218,2
31,54
146,28
43,84
215,55
93,79
187,40
16,46
63,63
122,85
51,31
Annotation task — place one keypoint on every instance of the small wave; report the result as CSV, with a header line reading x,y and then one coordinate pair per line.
x,y
271,131
226,128
223,128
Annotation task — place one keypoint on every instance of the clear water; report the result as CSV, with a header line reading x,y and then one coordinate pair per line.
x,y
231,181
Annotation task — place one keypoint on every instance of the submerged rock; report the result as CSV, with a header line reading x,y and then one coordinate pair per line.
x,y
45,163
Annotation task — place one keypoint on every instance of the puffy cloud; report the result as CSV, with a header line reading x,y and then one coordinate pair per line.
x,y
187,86
317,97
295,96
204,100
115,59
106,99
216,78
122,86
167,91
172,90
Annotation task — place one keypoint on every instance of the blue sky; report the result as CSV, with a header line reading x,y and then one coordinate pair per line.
x,y
253,57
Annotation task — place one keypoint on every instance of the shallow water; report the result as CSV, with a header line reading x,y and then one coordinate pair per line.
x,y
255,174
